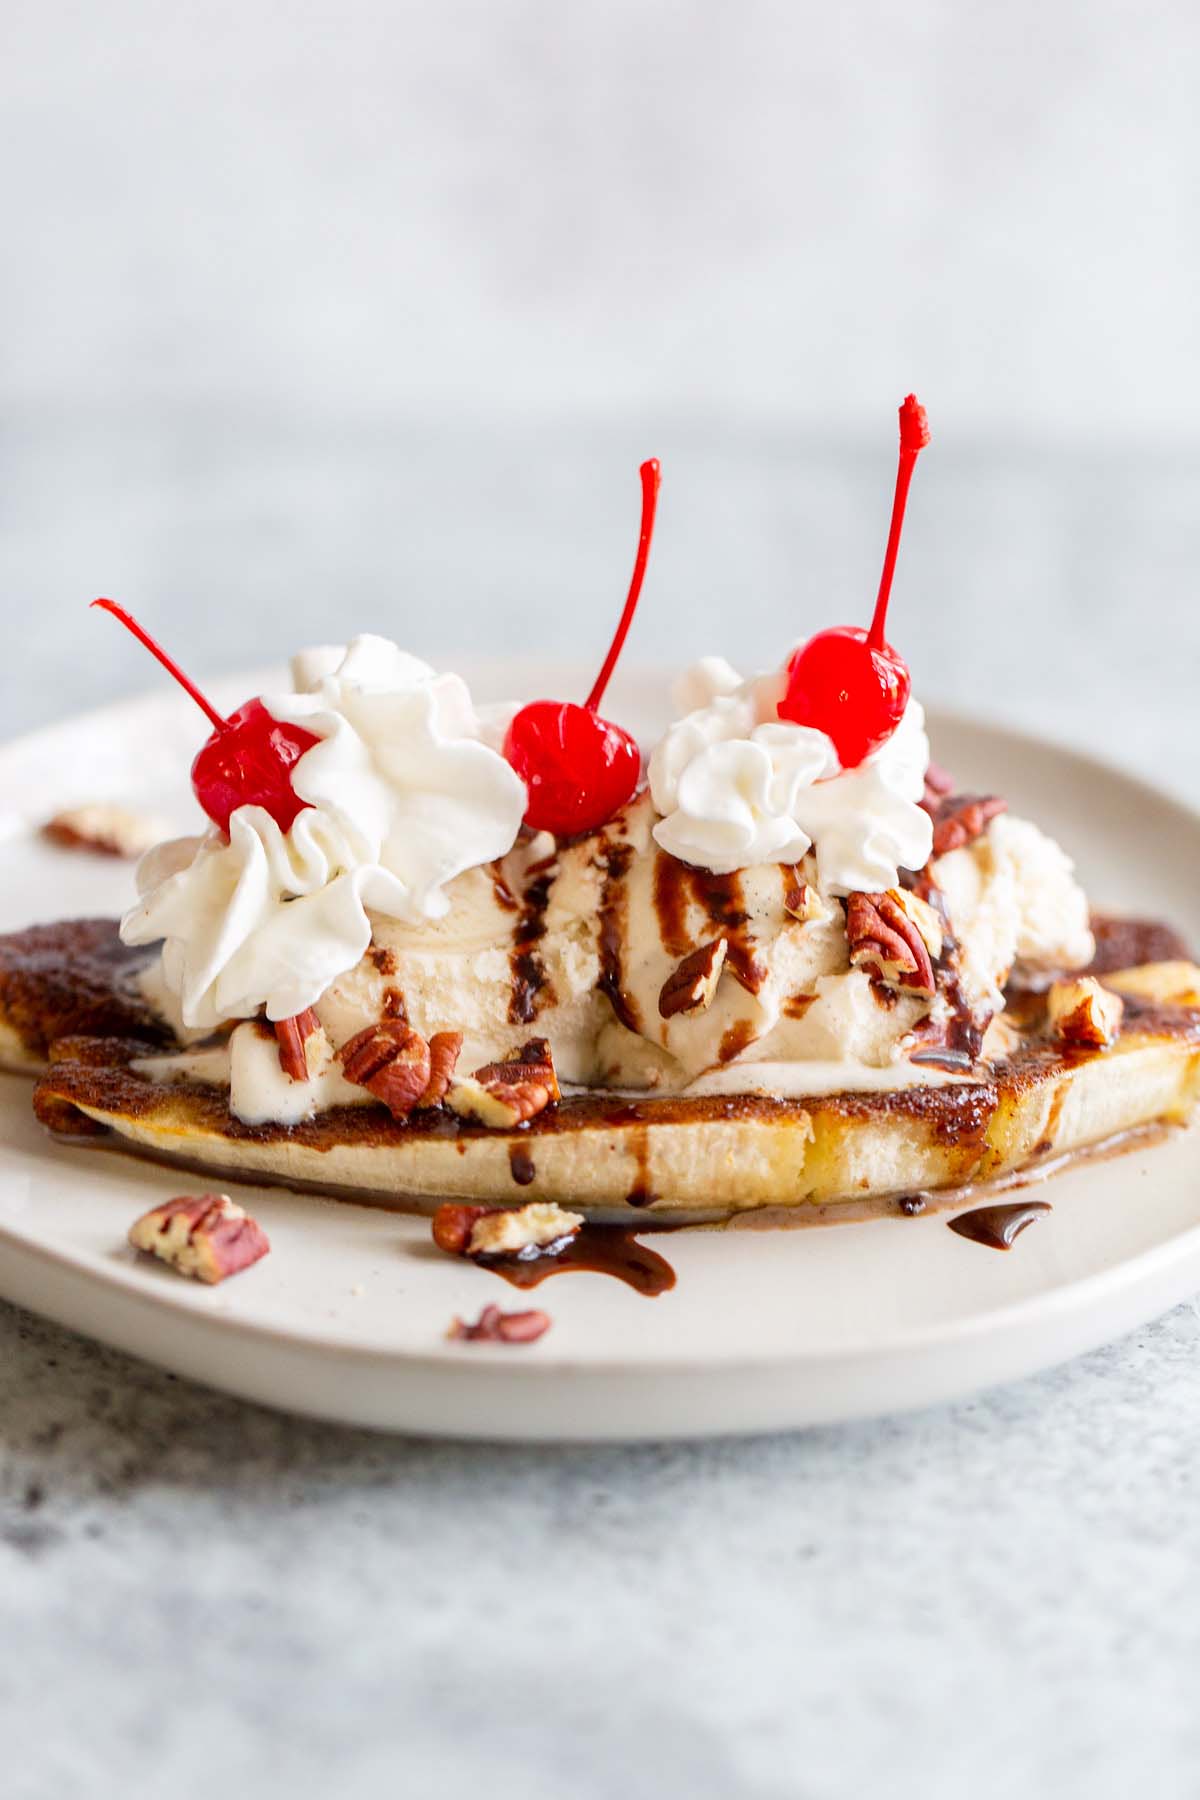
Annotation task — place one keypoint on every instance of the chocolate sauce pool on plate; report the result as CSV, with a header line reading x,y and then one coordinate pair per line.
x,y
998,1226
599,1249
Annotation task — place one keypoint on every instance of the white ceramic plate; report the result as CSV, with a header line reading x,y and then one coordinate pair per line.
x,y
765,1330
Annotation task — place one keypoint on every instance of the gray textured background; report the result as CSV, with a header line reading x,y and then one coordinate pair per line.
x,y
321,317
343,315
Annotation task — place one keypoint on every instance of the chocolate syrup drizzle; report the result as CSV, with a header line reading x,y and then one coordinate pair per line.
x,y
671,901
506,900
1053,1115
615,860
736,1038
530,983
722,899
521,1164
960,1041
998,1226
595,1249
641,1193
677,888
638,1146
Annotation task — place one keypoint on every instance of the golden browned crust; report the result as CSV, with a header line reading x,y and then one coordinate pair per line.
x,y
71,978
67,985
748,1150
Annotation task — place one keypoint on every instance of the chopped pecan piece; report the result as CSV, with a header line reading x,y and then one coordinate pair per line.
x,y
444,1047
884,937
494,1326
523,1231
692,986
802,901
370,1049
104,830
513,1231
533,1062
958,819
500,1104
925,917
206,1236
1083,1013
504,1094
392,1061
453,1225
401,1082
293,1035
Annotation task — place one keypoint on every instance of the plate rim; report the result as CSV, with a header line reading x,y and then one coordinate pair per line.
x,y
1067,1298
1143,1273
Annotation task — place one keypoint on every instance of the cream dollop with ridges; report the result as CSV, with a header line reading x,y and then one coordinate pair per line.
x,y
404,795
737,786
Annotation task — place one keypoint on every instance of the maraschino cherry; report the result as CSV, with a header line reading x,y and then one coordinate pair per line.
x,y
248,757
579,768
847,682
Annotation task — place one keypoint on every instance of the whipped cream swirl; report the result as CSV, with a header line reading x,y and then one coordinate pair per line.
x,y
404,794
737,785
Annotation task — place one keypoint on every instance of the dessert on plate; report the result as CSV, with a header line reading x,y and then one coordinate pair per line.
x,y
427,950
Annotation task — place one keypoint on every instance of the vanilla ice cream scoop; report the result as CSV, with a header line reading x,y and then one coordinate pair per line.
x,y
578,943
696,942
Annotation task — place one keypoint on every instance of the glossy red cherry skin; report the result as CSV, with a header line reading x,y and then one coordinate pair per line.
x,y
578,768
840,684
248,763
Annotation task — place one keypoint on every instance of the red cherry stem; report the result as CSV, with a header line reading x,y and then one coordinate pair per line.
x,y
651,475
914,435
172,668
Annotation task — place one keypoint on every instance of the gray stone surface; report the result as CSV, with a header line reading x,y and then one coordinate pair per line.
x,y
200,1598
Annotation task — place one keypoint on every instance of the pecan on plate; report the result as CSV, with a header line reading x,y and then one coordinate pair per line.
x,y
506,1232
692,986
392,1061
104,830
496,1327
958,819
890,934
206,1236
453,1225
